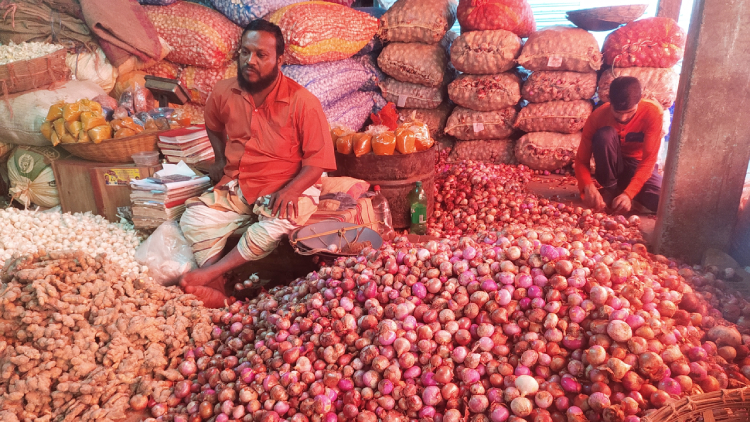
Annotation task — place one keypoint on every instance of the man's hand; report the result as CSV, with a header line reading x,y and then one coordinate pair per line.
x,y
592,198
621,204
284,203
216,171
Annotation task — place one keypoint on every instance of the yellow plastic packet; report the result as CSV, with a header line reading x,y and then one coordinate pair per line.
x,y
83,137
100,133
72,112
59,126
93,106
47,130
338,132
68,139
124,132
362,144
54,139
384,143
73,127
344,144
405,140
91,120
55,112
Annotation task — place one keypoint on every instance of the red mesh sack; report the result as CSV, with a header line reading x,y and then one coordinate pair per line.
x,y
199,36
650,42
511,15
201,81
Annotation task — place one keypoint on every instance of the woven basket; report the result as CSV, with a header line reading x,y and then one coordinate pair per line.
x,y
26,75
605,18
718,406
113,150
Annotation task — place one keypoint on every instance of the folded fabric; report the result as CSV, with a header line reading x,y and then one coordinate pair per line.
x,y
341,193
123,30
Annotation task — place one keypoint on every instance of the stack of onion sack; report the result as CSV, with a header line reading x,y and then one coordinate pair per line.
x,y
415,59
564,62
528,323
204,45
486,95
320,38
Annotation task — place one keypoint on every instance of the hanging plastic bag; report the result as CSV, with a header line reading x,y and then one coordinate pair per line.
x,y
167,254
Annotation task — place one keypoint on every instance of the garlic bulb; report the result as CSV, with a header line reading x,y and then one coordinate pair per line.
x,y
26,51
25,232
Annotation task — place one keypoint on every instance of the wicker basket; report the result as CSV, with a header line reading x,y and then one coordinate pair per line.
x,y
605,18
718,406
26,75
113,150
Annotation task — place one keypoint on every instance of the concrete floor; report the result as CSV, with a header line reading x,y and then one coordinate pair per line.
x,y
565,190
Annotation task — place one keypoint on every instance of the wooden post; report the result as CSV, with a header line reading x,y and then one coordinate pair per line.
x,y
669,9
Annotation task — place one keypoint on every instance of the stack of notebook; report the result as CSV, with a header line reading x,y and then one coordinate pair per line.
x,y
189,144
156,200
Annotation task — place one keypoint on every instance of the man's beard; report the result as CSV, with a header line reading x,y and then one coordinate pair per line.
x,y
260,85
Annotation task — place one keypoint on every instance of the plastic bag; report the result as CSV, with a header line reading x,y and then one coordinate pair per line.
x,y
124,133
74,127
405,140
362,144
108,104
387,116
344,144
72,112
126,101
91,120
55,111
100,133
47,130
59,126
83,137
167,254
384,143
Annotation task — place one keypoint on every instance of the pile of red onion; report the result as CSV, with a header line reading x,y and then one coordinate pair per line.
x,y
516,325
474,197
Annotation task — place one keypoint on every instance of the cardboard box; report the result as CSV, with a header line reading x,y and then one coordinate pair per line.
x,y
97,187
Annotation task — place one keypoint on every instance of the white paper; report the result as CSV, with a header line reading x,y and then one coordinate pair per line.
x,y
401,100
554,61
478,127
179,169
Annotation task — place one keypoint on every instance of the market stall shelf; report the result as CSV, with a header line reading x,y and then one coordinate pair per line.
x,y
96,187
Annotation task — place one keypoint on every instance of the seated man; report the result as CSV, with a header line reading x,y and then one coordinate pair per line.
x,y
272,144
624,138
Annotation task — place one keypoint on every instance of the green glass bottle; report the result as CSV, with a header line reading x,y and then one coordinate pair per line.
x,y
418,201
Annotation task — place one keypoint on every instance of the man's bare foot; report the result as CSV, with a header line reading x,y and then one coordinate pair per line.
x,y
200,277
210,297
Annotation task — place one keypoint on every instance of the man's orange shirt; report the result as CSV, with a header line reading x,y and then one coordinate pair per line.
x,y
268,145
642,143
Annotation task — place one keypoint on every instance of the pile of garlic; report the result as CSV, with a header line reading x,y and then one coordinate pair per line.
x,y
26,51
78,339
25,232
